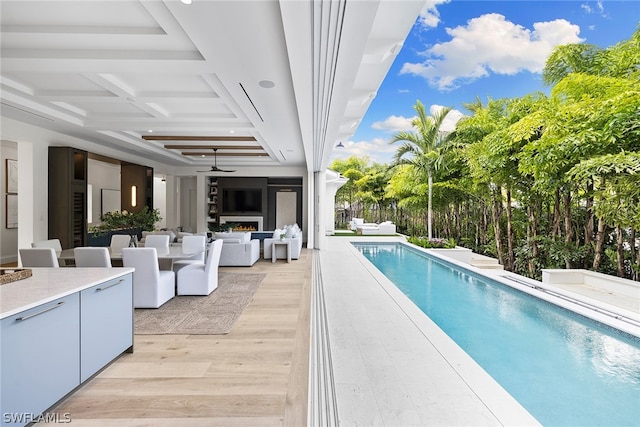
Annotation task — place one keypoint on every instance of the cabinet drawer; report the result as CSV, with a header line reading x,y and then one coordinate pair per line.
x,y
40,357
106,316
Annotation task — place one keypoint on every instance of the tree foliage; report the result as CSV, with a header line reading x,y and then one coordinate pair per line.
x,y
538,181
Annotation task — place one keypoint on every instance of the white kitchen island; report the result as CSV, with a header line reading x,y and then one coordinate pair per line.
x,y
58,328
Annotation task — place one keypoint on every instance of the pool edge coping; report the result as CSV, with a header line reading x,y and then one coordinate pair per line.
x,y
504,407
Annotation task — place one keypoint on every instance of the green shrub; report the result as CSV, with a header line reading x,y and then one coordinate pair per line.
x,y
433,243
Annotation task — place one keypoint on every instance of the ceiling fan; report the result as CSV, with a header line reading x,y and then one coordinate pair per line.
x,y
215,167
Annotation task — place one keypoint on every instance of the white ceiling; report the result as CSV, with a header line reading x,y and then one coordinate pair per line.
x,y
117,73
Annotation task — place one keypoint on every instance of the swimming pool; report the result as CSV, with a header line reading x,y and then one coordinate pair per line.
x,y
565,369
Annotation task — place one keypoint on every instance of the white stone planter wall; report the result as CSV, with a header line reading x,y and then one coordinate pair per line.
x,y
591,278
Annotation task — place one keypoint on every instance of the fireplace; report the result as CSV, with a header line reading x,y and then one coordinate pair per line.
x,y
243,223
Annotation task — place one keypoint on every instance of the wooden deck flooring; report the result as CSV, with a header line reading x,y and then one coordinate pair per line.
x,y
257,375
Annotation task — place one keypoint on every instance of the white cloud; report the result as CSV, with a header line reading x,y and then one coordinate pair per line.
x,y
377,150
491,44
599,7
429,16
393,124
449,123
400,123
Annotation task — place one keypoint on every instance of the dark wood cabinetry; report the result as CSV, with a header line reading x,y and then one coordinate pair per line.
x,y
136,187
68,196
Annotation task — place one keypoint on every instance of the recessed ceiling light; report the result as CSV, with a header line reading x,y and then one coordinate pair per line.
x,y
232,131
267,84
186,1
150,131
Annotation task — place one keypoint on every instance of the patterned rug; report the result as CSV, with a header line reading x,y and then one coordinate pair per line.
x,y
214,314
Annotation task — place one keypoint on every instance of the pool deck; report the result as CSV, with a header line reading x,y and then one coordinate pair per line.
x,y
392,366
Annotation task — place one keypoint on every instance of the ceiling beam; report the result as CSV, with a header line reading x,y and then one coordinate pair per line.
x,y
211,147
196,138
210,154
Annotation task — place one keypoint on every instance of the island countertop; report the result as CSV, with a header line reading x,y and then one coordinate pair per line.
x,y
48,284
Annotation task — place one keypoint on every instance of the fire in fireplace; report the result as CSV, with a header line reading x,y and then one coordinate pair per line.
x,y
245,226
243,223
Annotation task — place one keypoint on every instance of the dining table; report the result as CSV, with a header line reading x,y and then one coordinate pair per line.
x,y
166,256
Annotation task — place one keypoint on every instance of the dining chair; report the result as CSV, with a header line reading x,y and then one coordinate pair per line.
x,y
119,241
201,279
158,241
151,286
196,245
39,257
92,257
51,243
161,243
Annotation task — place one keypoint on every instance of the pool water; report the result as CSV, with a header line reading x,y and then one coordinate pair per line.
x,y
565,369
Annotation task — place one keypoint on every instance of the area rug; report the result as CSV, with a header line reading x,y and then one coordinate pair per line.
x,y
214,314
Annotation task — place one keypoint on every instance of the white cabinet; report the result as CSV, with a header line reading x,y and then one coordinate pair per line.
x,y
40,358
47,349
106,319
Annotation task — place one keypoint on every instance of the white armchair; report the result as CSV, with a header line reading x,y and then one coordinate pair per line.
x,y
151,287
201,279
239,249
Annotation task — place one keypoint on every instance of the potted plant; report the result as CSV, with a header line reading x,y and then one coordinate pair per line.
x,y
131,222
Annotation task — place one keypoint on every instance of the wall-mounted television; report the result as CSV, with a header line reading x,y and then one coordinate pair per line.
x,y
241,200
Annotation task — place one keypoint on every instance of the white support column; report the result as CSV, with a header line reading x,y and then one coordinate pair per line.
x,y
333,182
319,209
32,199
201,206
173,196
311,212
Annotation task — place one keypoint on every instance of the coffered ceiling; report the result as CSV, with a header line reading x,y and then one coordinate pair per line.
x,y
266,82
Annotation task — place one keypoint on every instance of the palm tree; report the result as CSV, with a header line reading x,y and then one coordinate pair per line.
x,y
423,149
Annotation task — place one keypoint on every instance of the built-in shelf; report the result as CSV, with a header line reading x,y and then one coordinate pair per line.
x,y
212,201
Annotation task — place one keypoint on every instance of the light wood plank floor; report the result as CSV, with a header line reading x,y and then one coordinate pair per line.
x,y
257,375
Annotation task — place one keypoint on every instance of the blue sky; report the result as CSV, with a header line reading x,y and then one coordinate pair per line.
x,y
460,49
